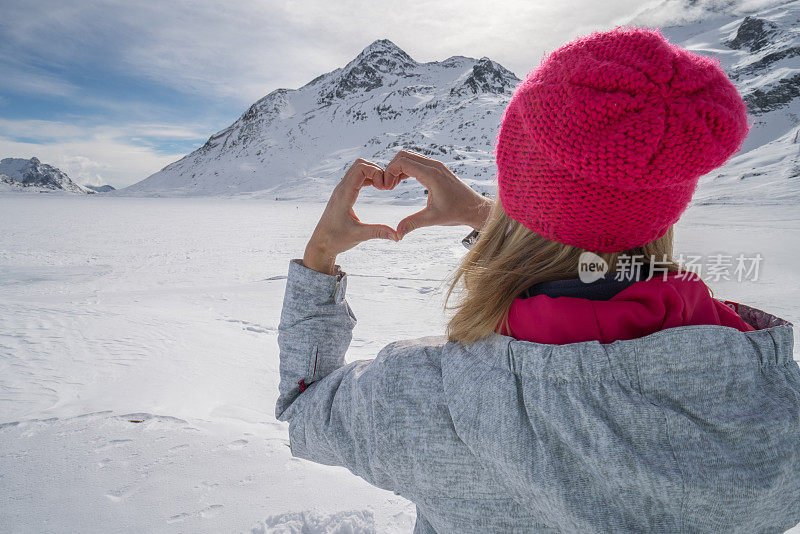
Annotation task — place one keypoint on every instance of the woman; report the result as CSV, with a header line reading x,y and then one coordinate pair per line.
x,y
638,404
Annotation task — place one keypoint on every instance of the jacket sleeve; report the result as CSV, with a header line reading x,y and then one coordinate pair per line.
x,y
329,405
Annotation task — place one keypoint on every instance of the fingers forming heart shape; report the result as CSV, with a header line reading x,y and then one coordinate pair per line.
x,y
406,165
449,200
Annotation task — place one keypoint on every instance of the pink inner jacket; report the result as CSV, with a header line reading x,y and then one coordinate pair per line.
x,y
639,310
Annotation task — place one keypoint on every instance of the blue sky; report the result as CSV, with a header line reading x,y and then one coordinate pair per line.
x,y
111,91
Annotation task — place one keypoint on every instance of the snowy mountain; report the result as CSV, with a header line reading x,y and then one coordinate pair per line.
x,y
294,143
297,143
101,188
761,53
32,174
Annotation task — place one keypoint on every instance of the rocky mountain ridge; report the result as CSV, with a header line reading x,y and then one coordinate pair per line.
x,y
297,143
761,54
32,174
101,188
293,143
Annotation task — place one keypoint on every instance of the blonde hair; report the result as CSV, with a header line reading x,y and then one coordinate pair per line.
x,y
507,259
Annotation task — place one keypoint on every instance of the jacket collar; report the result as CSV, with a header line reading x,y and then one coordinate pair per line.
x,y
601,289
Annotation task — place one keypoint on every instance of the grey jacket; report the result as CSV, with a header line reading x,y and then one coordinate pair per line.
x,y
690,429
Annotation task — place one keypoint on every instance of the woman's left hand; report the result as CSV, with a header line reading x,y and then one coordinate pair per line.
x,y
339,229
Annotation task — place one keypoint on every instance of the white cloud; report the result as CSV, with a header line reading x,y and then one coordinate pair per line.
x,y
22,79
122,163
39,129
44,129
94,154
81,169
234,50
242,50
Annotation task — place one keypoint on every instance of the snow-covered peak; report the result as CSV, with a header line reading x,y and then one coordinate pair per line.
x,y
378,64
383,54
753,34
33,173
381,101
101,188
688,12
760,51
487,76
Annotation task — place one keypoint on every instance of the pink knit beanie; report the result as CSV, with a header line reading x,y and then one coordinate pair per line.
x,y
602,145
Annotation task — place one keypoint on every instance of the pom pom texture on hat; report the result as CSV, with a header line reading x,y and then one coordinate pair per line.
x,y
601,147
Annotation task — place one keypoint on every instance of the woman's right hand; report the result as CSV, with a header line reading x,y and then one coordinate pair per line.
x,y
451,202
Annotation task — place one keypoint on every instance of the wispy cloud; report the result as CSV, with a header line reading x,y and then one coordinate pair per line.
x,y
119,155
57,130
235,50
242,50
24,79
112,162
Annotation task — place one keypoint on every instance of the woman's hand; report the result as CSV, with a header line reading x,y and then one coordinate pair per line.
x,y
339,228
451,202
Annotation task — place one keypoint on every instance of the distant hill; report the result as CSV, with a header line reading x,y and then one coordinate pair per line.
x,y
100,188
32,174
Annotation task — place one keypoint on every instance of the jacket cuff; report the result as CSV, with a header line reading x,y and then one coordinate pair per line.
x,y
322,287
